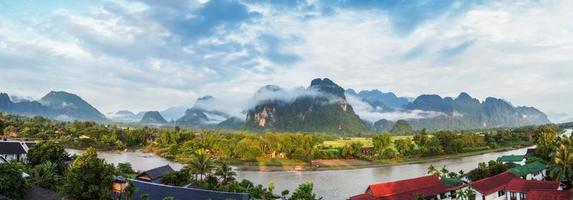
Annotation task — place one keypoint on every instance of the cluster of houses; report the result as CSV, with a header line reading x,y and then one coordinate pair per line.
x,y
526,181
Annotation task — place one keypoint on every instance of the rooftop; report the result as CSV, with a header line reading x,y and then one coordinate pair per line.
x,y
11,147
493,184
549,195
407,189
159,191
530,168
157,173
524,186
511,158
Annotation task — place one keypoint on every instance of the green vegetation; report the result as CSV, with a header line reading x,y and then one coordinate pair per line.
x,y
89,177
13,184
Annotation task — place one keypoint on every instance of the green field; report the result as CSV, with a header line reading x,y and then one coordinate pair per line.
x,y
367,142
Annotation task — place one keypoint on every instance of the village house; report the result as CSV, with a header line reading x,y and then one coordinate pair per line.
x,y
532,171
515,159
14,150
427,187
155,175
506,186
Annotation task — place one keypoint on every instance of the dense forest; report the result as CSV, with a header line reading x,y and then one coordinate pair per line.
x,y
179,144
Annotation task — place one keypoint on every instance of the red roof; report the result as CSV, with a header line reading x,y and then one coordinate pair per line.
x,y
524,186
493,184
549,195
405,189
363,197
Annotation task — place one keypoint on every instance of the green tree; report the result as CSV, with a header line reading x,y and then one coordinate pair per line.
x,y
225,173
562,163
304,192
45,175
201,165
12,184
249,149
48,151
404,146
545,138
125,168
381,142
89,177
178,178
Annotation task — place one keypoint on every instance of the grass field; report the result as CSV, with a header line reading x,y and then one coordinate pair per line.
x,y
367,142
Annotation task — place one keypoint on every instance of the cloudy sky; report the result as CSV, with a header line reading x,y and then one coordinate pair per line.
x,y
151,54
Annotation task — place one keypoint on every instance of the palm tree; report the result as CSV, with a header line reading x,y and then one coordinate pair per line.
x,y
225,173
432,169
45,175
201,164
561,164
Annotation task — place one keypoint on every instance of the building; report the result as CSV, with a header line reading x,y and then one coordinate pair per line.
x,y
532,152
155,175
532,171
549,195
160,191
14,150
515,159
506,186
428,187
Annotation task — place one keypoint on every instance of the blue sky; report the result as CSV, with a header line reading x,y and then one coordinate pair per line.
x,y
149,55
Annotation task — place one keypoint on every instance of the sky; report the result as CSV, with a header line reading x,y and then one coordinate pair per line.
x,y
150,55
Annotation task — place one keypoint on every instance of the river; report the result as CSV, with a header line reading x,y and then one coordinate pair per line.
x,y
333,184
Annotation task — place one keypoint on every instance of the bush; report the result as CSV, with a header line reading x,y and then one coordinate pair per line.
x,y
13,185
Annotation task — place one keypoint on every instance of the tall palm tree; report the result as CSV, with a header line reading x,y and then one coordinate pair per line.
x,y
201,164
225,173
561,163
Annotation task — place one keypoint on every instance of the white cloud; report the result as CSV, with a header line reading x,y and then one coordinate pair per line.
x,y
118,57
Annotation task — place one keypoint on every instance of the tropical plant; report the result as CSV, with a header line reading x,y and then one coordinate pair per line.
x,y
13,185
465,194
89,177
562,163
48,151
45,175
304,192
201,165
225,173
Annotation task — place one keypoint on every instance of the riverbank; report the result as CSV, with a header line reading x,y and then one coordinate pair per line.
x,y
340,164
273,165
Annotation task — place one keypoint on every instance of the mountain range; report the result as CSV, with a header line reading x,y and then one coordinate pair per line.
x,y
56,104
323,106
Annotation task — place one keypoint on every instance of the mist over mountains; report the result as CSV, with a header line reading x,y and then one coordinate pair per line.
x,y
322,106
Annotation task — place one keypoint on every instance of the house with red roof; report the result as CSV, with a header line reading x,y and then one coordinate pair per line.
x,y
507,186
428,187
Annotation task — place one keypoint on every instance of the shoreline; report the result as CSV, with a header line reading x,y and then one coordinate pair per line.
x,y
250,166
375,164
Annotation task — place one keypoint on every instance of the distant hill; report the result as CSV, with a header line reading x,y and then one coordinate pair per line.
x,y
152,117
320,107
384,102
203,114
465,112
56,104
124,116
173,113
